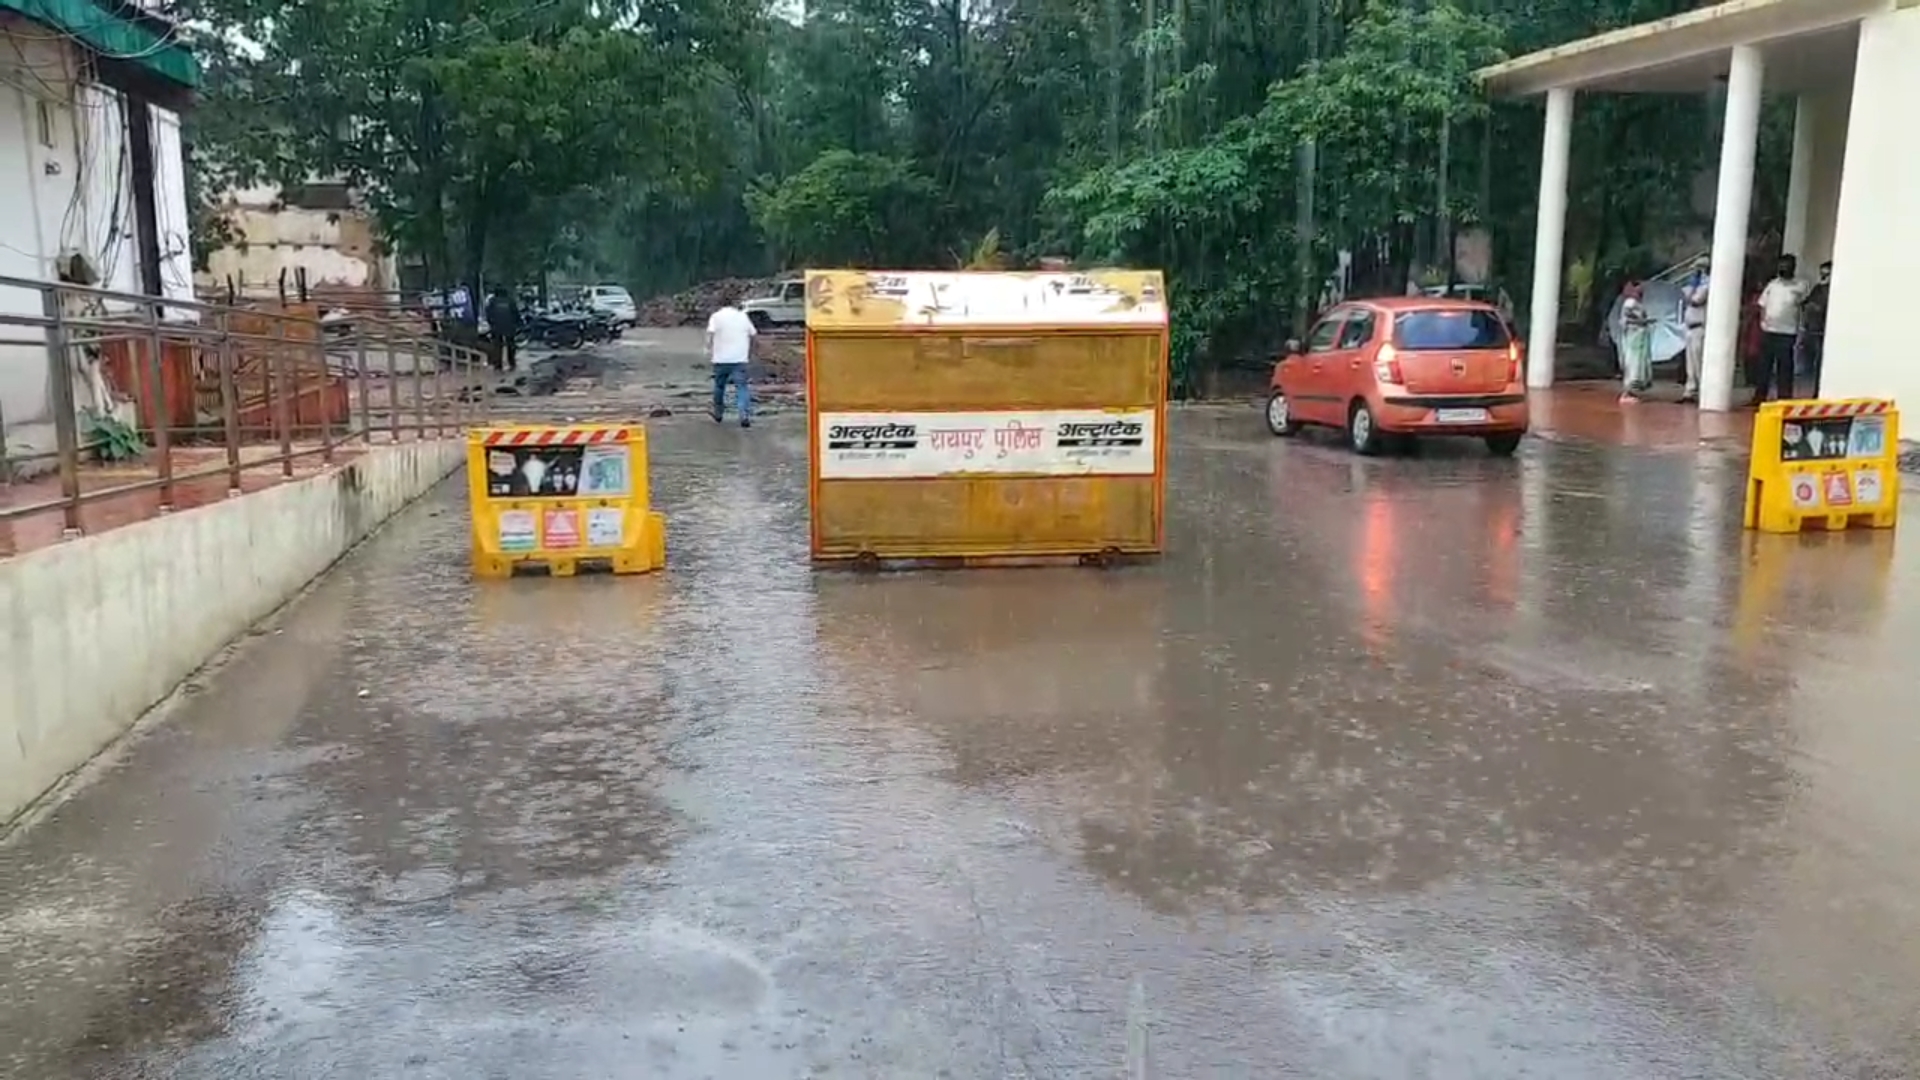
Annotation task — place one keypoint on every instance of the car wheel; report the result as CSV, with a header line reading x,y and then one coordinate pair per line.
x,y
1362,433
1280,416
1504,445
759,320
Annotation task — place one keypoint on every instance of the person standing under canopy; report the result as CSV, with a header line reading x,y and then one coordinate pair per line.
x,y
1636,344
1813,326
1780,306
1693,314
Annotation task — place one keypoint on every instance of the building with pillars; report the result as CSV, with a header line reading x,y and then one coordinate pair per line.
x,y
1853,67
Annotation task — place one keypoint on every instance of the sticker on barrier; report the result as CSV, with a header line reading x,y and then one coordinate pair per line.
x,y
606,527
562,530
1806,492
517,531
562,498
1866,485
1071,442
1839,490
1822,465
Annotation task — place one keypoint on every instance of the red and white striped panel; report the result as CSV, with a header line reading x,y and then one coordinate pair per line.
x,y
555,438
1818,410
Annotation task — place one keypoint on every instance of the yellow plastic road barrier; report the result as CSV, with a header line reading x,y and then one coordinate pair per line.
x,y
986,417
560,496
1824,465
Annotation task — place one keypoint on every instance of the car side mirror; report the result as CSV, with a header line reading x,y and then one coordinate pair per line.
x,y
1293,346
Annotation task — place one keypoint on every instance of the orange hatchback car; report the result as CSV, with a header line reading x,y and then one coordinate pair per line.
x,y
1405,367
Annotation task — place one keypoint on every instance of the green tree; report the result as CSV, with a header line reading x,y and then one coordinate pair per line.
x,y
1220,215
1240,145
456,116
849,209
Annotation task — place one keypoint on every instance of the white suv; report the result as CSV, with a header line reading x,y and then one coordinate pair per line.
x,y
786,307
615,301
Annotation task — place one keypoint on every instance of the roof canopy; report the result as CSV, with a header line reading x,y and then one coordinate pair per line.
x,y
874,300
118,33
1808,45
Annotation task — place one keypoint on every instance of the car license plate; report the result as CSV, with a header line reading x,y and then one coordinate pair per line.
x,y
1460,416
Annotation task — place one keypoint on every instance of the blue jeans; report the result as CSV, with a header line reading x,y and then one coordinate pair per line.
x,y
743,398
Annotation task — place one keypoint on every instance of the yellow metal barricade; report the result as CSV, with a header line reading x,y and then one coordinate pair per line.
x,y
560,496
986,417
1824,465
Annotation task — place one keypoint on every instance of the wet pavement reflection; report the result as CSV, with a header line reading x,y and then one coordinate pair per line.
x,y
1431,766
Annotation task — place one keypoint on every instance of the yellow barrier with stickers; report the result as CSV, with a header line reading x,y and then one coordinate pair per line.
x,y
1824,465
562,497
980,418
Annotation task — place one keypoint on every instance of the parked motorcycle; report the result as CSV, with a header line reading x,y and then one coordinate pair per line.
x,y
600,326
554,328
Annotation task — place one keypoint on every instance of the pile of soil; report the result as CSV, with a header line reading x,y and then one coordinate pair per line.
x,y
781,358
691,307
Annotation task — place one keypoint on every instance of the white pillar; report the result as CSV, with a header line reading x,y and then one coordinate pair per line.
x,y
1793,236
1731,210
1549,238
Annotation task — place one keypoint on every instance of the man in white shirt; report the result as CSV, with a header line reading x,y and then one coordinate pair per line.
x,y
1693,312
730,337
1780,305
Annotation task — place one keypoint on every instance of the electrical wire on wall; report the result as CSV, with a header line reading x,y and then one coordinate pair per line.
x,y
85,115
64,81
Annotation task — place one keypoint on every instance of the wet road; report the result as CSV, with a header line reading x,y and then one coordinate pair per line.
x,y
1429,767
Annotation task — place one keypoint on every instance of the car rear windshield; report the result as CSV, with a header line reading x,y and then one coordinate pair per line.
x,y
1421,330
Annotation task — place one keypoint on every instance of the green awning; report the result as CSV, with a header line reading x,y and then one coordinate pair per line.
x,y
116,36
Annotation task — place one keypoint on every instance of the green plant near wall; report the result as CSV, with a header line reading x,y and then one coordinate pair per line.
x,y
112,439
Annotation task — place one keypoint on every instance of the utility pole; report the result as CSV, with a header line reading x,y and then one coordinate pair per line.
x,y
1306,168
1443,214
1151,84
1116,69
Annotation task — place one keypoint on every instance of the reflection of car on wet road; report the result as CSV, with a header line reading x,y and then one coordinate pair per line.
x,y
1401,367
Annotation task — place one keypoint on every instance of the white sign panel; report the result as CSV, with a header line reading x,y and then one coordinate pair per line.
x,y
961,299
1073,442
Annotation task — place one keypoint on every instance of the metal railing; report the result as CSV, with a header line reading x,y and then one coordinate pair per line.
x,y
212,391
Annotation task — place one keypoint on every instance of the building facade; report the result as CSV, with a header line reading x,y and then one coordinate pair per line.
x,y
320,233
1852,68
92,178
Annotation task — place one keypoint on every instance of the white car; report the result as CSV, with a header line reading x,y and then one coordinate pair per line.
x,y
615,301
786,307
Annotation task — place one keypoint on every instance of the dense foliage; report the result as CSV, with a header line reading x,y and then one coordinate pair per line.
x,y
1239,144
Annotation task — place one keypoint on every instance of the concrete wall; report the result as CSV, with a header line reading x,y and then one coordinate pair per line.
x,y
95,632
1877,236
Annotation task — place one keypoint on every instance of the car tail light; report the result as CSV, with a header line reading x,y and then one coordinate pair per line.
x,y
1386,367
1514,374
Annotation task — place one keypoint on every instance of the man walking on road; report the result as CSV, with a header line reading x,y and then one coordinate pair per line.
x,y
730,337
1693,311
1780,305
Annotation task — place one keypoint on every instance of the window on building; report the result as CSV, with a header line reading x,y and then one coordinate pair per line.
x,y
43,118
